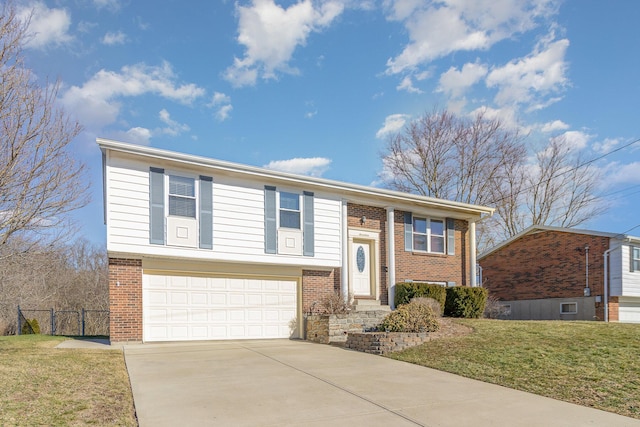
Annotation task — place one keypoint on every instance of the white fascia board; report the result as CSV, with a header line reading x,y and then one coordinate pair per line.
x,y
350,191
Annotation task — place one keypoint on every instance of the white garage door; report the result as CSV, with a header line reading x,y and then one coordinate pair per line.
x,y
629,311
185,308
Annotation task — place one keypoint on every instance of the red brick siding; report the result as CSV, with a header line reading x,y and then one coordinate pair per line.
x,y
316,285
419,266
376,219
548,264
125,299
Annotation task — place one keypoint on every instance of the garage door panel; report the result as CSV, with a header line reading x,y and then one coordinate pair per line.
x,y
204,308
629,311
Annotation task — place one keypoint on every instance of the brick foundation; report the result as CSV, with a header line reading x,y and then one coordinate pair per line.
x,y
614,309
125,300
316,285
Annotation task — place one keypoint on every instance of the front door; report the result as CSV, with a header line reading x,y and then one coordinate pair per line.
x,y
361,267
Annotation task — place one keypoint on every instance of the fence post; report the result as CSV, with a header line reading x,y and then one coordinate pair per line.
x,y
83,322
53,322
19,322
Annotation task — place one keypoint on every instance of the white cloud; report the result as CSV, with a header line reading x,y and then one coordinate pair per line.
x,y
605,146
554,126
455,82
173,128
407,85
112,38
136,135
312,166
107,4
437,29
392,123
617,173
576,140
223,106
223,113
271,33
46,26
96,102
525,80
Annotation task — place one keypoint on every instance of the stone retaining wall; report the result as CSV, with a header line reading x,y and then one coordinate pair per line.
x,y
333,328
384,342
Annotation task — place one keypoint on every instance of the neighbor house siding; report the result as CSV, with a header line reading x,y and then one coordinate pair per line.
x,y
630,286
546,264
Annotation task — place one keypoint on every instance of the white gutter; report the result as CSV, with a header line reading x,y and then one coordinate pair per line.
x,y
344,271
391,255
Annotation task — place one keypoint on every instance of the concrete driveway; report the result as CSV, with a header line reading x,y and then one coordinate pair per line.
x,y
281,382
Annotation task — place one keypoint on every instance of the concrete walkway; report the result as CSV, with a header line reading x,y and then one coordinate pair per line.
x,y
281,382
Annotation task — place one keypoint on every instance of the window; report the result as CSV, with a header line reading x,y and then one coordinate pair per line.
x,y
428,235
289,210
635,259
569,308
182,196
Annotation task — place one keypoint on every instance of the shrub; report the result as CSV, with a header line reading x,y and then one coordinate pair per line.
x,y
405,292
465,302
332,303
431,303
30,327
494,309
416,316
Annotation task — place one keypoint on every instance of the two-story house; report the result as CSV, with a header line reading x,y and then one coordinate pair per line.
x,y
202,249
566,274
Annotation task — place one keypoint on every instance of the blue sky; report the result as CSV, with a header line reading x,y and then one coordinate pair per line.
x,y
314,86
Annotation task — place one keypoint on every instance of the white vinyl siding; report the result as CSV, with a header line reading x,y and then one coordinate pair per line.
x,y
238,219
629,286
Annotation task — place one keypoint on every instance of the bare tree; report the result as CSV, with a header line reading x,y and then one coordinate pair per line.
x,y
481,161
40,180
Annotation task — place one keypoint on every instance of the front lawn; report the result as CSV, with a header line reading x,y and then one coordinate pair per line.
x,y
592,364
43,385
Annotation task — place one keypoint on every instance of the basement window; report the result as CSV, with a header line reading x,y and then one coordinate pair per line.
x,y
569,308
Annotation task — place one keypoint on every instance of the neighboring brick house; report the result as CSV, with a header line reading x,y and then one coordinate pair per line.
x,y
203,249
564,273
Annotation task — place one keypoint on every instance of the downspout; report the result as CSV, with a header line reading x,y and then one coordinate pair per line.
x,y
472,253
606,284
391,258
344,271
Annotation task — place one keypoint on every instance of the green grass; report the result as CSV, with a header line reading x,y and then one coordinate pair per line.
x,y
592,364
43,385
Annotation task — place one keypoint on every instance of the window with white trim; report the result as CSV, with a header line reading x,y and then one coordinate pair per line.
x,y
635,258
569,308
289,210
428,235
182,196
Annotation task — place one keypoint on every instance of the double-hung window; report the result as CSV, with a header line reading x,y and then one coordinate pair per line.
x,y
182,196
428,235
635,258
289,210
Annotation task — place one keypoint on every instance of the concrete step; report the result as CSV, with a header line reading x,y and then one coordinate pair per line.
x,y
369,305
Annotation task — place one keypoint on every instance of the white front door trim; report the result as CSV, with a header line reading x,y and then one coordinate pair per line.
x,y
372,237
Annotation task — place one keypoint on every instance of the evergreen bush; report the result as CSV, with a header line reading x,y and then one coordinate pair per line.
x,y
406,291
462,301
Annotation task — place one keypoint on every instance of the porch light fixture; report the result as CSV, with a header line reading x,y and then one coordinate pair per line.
x,y
363,219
